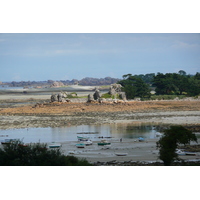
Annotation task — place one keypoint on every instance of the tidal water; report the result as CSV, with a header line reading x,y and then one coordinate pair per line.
x,y
62,134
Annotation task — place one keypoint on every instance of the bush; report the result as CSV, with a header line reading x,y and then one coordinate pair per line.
x,y
37,154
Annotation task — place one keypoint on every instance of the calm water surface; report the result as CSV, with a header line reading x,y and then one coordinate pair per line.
x,y
63,134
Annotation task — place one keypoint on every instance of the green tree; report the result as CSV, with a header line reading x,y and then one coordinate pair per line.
x,y
193,88
37,154
134,87
173,83
169,142
182,72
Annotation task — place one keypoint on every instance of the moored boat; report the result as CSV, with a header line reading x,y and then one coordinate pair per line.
x,y
81,145
180,152
82,138
140,139
54,145
7,141
121,154
87,143
190,154
103,142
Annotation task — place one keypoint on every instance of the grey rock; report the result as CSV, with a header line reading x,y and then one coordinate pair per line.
x,y
96,94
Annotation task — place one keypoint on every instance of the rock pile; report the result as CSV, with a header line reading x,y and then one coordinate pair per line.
x,y
115,89
60,97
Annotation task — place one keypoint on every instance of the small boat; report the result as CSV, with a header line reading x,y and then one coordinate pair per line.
x,y
141,139
190,154
54,145
81,145
121,154
71,152
103,142
87,143
180,152
7,141
82,138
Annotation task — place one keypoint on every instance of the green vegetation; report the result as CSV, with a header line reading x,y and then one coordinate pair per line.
x,y
166,97
177,84
167,86
134,87
37,154
109,96
169,142
147,78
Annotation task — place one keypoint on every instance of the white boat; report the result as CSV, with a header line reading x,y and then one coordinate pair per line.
x,y
180,152
54,145
87,143
121,154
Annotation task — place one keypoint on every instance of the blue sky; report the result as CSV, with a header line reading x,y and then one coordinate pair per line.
x,y
62,56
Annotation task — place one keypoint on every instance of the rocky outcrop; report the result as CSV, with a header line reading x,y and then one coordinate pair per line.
x,y
60,97
114,89
57,84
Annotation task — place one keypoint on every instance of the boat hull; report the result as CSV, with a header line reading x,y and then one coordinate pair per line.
x,y
54,145
103,144
80,145
121,154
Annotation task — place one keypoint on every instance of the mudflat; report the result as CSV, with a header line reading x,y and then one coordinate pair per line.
x,y
78,113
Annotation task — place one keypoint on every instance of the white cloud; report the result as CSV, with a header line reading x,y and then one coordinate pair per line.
x,y
184,45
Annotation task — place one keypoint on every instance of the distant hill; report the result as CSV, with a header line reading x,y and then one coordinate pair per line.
x,y
88,81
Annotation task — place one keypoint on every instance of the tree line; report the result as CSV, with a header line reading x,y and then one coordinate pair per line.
x,y
164,84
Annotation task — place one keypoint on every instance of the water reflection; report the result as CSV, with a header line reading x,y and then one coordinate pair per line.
x,y
61,134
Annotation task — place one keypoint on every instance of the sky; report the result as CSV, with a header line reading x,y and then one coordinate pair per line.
x,y
67,56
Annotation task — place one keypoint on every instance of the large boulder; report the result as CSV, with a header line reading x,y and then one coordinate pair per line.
x,y
60,97
90,98
96,94
54,97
